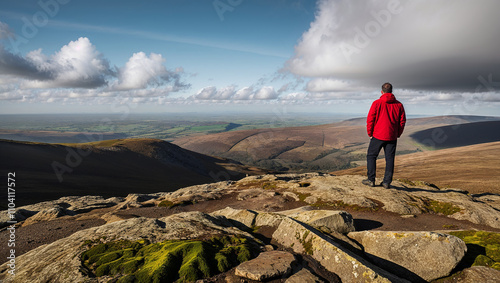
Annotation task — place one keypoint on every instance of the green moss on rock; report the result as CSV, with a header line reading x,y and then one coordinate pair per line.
x,y
166,203
269,186
444,208
168,261
483,248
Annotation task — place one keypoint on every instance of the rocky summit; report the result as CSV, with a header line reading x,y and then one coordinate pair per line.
x,y
268,228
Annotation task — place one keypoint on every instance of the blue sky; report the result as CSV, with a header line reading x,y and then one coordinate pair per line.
x,y
69,56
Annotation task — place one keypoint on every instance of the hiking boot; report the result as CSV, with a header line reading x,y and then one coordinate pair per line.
x,y
386,185
368,183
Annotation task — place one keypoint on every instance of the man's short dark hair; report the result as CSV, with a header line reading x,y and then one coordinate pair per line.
x,y
387,88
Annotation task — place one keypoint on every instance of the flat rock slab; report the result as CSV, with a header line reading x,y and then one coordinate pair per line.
x,y
267,265
348,266
243,216
416,255
304,276
478,274
327,221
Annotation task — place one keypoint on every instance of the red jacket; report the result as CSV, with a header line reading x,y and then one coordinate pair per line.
x,y
386,119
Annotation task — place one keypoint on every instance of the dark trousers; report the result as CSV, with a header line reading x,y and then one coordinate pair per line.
x,y
372,154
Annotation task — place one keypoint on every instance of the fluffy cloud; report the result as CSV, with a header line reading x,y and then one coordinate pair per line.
x,y
78,64
17,66
78,71
211,93
142,71
438,45
230,93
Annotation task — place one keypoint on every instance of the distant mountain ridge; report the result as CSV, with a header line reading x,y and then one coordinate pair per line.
x,y
109,168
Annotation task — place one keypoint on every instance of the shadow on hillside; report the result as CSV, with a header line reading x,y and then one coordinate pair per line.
x,y
459,135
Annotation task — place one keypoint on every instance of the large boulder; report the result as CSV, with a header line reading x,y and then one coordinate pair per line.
x,y
49,210
60,261
241,216
414,255
347,265
267,266
327,221
48,214
134,200
405,198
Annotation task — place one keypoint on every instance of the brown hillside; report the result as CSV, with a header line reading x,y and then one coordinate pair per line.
x,y
109,168
311,148
474,168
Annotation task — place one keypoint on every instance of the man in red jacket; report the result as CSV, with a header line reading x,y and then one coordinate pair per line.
x,y
385,124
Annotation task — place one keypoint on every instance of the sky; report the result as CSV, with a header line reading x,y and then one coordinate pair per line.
x,y
331,56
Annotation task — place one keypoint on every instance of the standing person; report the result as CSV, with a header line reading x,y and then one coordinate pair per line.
x,y
385,124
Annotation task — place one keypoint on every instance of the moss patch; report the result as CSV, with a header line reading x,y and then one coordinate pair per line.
x,y
168,261
302,196
269,186
439,207
483,248
166,203
342,205
170,204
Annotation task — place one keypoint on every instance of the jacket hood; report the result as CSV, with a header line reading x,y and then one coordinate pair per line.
x,y
388,98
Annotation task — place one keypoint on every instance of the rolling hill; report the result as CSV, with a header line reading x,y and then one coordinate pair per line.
x,y
109,168
475,168
325,147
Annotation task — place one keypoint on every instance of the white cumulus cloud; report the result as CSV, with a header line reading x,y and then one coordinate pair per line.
x,y
230,93
79,72
142,71
78,64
